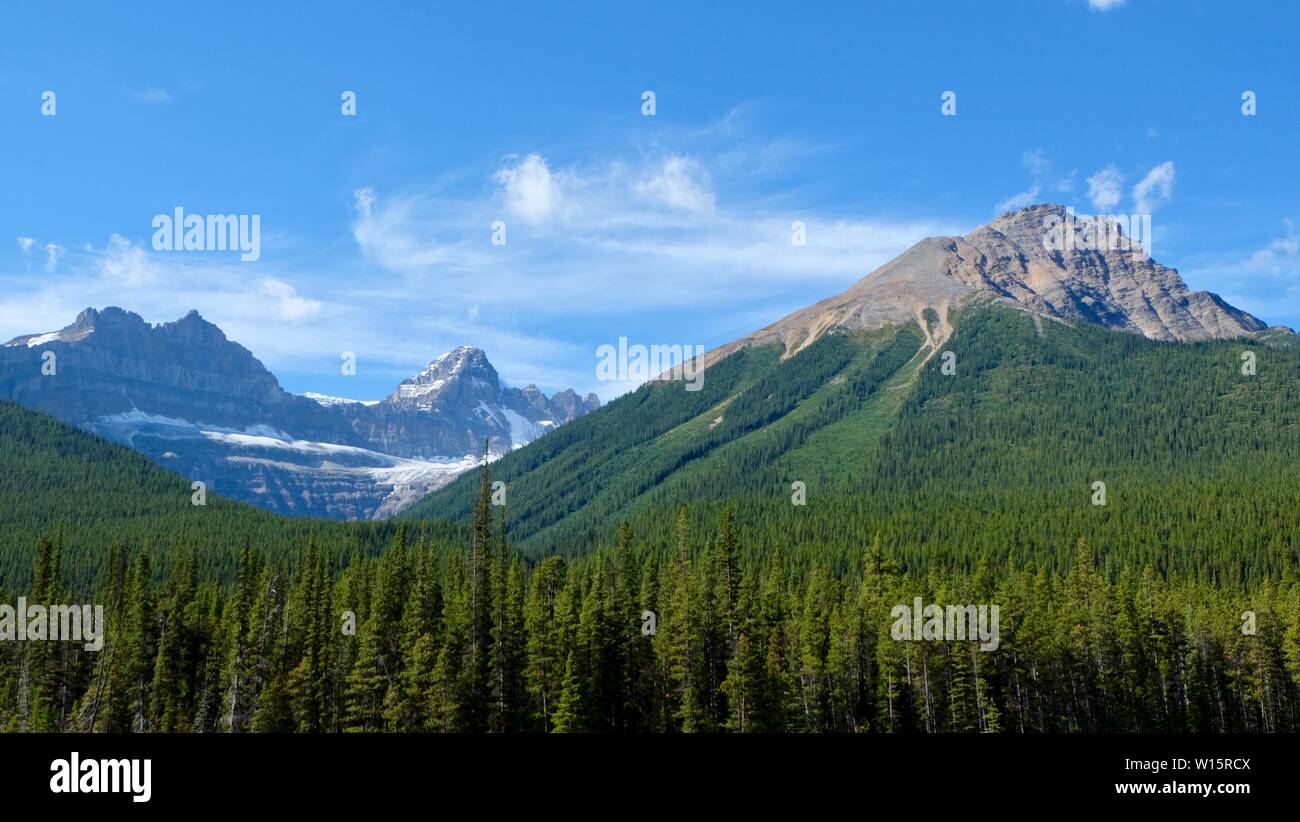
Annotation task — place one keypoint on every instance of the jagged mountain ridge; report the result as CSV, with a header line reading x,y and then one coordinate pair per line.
x,y
1010,260
204,406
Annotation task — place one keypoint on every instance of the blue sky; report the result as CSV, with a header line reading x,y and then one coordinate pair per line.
x,y
666,229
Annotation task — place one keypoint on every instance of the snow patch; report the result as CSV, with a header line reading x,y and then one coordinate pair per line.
x,y
327,400
522,429
53,336
403,480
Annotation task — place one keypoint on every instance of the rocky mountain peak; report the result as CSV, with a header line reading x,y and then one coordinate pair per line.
x,y
202,404
111,316
1042,259
461,375
1095,269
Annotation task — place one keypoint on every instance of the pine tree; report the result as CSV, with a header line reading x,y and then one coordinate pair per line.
x,y
477,690
406,703
173,677
98,706
140,638
446,707
546,648
271,709
744,682
570,710
312,627
673,642
508,651
38,665
728,572
373,689
238,699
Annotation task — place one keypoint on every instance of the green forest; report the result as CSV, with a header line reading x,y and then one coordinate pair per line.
x,y
655,568
996,462
691,639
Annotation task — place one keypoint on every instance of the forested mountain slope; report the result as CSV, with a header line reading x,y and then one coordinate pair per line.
x,y
996,460
57,480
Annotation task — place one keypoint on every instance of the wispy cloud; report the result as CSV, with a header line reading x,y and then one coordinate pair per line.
x,y
150,96
289,304
1016,201
1280,256
656,244
609,228
1036,163
1264,281
678,183
53,253
1155,189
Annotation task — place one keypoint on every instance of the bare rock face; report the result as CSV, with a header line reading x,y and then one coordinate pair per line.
x,y
1016,259
1116,287
112,362
455,404
205,407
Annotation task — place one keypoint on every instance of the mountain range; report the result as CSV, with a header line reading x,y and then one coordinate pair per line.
x,y
205,407
813,397
1067,367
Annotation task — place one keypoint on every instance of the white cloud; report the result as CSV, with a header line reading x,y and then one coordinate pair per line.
x,y
657,222
151,97
639,245
529,189
1105,188
1154,189
1105,5
126,264
1279,256
53,254
1265,282
25,244
679,183
420,234
1018,201
1035,162
363,199
288,304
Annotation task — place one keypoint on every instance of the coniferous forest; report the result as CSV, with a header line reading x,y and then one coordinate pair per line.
x,y
426,637
707,605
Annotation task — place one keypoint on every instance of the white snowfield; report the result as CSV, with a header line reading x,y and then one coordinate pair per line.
x,y
327,400
523,430
43,339
37,340
404,480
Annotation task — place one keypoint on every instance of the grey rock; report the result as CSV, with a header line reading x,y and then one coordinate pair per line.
x,y
204,406
1012,260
